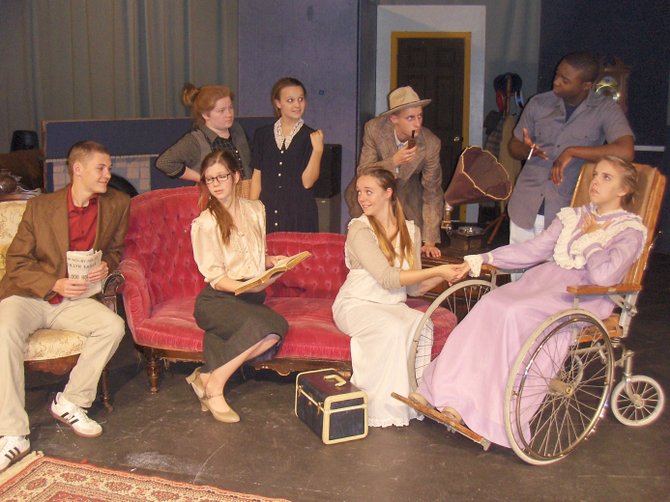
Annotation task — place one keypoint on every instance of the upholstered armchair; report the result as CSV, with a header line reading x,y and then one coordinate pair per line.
x,y
50,350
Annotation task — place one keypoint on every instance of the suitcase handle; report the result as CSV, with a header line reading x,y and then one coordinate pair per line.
x,y
340,381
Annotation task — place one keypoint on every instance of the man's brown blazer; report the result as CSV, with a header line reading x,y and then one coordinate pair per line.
x,y
36,258
419,181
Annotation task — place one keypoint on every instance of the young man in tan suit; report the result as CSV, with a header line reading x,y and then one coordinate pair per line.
x,y
396,140
37,293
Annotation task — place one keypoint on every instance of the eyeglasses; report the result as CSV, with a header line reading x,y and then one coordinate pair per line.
x,y
220,178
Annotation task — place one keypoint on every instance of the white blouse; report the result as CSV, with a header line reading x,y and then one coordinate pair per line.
x,y
244,255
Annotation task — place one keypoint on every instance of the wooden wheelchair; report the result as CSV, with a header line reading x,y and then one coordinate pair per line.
x,y
575,391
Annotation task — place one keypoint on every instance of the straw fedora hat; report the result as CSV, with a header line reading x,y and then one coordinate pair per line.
x,y
403,97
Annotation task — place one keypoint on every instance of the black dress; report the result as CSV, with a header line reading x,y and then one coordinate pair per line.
x,y
289,207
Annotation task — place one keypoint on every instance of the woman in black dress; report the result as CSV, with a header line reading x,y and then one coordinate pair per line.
x,y
286,158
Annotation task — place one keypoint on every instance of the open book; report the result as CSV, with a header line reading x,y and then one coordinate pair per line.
x,y
282,266
79,264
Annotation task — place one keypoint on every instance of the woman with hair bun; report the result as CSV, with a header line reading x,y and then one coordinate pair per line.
x,y
383,254
214,128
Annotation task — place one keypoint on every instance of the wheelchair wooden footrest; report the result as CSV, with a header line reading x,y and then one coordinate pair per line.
x,y
434,414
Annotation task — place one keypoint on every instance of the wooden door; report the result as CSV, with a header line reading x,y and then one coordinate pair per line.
x,y
436,66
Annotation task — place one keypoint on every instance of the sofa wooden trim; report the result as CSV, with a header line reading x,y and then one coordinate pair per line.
x,y
285,365
157,358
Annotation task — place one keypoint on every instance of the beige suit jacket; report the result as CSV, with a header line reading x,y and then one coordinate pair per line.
x,y
36,258
419,181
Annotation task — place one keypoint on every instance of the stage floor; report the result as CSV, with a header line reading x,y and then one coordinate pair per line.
x,y
271,453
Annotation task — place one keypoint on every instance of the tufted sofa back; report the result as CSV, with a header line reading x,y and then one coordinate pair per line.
x,y
321,275
159,241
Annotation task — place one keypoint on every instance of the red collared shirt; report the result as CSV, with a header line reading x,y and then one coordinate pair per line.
x,y
82,222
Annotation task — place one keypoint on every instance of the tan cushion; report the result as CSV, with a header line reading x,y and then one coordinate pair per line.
x,y
11,213
46,344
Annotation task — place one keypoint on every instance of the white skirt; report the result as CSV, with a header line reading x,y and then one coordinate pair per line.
x,y
381,339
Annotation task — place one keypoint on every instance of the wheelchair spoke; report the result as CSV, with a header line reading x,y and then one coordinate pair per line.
x,y
638,400
561,381
460,299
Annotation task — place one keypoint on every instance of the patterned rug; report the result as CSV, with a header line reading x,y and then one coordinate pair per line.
x,y
37,478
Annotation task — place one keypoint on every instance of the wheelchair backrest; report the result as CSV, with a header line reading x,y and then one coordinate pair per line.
x,y
647,204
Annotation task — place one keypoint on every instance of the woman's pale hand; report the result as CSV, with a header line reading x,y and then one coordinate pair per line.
x,y
463,269
317,140
589,224
271,261
452,273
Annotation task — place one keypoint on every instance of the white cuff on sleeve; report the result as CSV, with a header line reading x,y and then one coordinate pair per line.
x,y
475,261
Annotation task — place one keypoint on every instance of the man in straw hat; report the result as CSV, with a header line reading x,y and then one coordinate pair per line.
x,y
397,141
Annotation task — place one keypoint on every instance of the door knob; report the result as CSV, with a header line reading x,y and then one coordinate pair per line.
x,y
457,139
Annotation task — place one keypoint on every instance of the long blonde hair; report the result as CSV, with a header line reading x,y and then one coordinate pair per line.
x,y
629,179
386,180
206,200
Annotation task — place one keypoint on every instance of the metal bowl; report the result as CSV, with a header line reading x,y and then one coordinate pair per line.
x,y
469,230
8,182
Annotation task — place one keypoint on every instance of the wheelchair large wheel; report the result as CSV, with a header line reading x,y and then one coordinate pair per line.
x,y
459,299
637,401
558,386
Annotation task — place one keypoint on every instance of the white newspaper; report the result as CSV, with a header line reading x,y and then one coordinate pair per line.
x,y
79,264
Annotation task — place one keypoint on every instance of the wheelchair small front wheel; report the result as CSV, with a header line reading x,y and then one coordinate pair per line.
x,y
637,401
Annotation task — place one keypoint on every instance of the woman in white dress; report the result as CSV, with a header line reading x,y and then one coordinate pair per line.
x,y
383,254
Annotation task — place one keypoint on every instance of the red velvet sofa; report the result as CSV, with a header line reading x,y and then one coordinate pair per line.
x,y
162,281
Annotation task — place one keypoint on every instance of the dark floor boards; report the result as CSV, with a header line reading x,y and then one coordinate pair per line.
x,y
270,452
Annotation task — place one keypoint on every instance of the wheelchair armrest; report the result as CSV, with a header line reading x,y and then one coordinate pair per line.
x,y
589,289
492,269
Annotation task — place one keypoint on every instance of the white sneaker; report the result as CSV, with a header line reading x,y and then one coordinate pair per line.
x,y
74,416
12,448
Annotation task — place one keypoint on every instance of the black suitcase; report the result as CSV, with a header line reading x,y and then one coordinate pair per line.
x,y
333,408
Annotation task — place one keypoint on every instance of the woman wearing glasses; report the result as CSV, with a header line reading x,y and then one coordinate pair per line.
x,y
228,240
